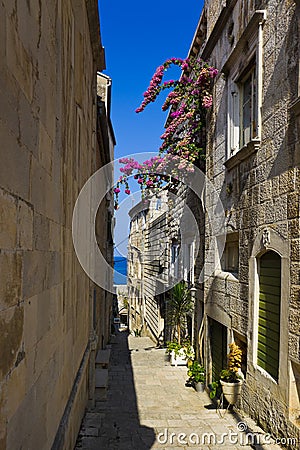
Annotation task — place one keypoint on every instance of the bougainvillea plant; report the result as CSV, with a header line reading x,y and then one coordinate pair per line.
x,y
187,102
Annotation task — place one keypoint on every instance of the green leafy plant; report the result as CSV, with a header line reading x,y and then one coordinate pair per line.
x,y
196,372
188,350
185,346
215,389
229,376
179,306
173,346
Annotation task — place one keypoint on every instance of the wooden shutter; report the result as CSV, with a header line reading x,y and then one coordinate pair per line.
x,y
269,313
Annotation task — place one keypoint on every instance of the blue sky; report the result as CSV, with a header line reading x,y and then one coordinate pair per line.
x,y
138,36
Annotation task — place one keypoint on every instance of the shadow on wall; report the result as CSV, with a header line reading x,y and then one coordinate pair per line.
x,y
284,80
114,423
278,153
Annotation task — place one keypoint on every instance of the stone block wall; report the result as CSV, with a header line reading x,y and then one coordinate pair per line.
x,y
260,192
47,115
154,237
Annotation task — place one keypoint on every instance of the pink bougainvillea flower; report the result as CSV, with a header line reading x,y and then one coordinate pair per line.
x,y
188,100
207,101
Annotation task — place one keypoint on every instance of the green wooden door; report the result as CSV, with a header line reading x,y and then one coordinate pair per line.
x,y
218,342
269,313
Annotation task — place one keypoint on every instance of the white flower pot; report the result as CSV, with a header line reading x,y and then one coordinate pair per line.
x,y
232,391
179,359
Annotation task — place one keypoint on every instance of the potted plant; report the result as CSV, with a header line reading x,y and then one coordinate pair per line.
x,y
196,374
188,351
180,354
179,305
173,348
231,379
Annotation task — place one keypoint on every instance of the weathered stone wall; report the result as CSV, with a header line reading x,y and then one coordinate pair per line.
x,y
154,237
135,272
216,8
148,258
155,270
261,191
48,150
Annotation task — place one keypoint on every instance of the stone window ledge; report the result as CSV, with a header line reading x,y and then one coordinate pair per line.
x,y
243,154
229,276
265,374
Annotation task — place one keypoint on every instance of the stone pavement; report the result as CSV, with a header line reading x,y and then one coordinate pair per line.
x,y
149,406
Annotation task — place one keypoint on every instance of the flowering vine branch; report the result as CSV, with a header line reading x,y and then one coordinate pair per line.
x,y
188,101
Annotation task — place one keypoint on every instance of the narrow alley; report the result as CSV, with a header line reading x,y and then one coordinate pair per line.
x,y
149,219
148,406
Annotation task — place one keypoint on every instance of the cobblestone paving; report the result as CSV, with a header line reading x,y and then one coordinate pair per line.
x,y
149,406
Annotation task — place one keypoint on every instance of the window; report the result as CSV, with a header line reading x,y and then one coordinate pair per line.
x,y
244,72
175,260
188,262
269,313
248,122
268,324
242,110
143,220
158,204
230,257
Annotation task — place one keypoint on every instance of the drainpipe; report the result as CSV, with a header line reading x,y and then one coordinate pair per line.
x,y
193,291
260,69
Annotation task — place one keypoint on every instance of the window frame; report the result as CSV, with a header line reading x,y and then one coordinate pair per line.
x,y
260,316
269,239
174,259
232,242
236,140
251,73
248,49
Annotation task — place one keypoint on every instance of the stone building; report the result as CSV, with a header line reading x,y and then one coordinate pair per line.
x,y
103,299
252,158
120,304
148,262
50,312
251,286
162,251
135,261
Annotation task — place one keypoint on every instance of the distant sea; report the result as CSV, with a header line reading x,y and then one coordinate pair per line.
x,y
120,266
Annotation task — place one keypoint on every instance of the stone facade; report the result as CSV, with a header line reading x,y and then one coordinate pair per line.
x,y
135,259
49,309
253,162
251,286
120,307
161,253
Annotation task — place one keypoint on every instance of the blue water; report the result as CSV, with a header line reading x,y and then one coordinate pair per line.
x,y
120,266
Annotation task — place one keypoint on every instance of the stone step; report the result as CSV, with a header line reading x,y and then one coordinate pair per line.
x,y
102,358
101,384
